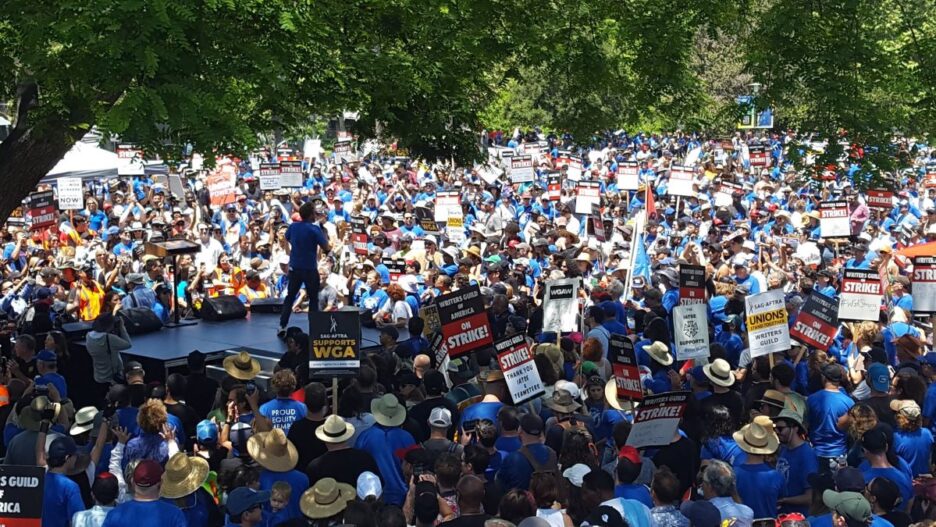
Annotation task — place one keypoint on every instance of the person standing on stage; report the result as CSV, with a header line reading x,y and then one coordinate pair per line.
x,y
304,237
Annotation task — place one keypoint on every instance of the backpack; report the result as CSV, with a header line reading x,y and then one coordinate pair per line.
x,y
551,466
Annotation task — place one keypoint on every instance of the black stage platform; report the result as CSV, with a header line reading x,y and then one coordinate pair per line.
x,y
165,351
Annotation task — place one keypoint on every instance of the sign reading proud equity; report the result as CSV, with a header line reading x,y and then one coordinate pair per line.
x,y
691,284
861,295
817,322
21,490
624,365
335,337
516,361
657,418
924,284
560,305
690,331
464,322
833,220
767,323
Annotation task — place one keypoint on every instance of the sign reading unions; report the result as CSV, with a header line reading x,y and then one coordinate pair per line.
x,y
767,327
516,361
335,339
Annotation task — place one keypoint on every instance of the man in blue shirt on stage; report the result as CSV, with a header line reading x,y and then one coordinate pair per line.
x,y
304,237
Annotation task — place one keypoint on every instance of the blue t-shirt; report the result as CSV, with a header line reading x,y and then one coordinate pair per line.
x,y
305,239
795,465
759,486
283,412
61,500
823,410
515,471
382,442
508,444
895,475
298,482
145,514
634,491
725,449
914,447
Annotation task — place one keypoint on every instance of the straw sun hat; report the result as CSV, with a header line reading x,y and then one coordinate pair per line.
x,y
273,451
183,475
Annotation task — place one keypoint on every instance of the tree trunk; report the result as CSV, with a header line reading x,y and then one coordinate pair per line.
x,y
27,155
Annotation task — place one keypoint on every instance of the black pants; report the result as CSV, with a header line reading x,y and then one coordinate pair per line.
x,y
297,278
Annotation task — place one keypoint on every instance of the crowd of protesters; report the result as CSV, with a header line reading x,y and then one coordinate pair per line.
x,y
842,436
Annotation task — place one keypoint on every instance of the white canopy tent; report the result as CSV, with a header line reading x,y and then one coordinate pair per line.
x,y
85,160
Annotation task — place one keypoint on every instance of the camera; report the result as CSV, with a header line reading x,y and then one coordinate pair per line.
x,y
250,387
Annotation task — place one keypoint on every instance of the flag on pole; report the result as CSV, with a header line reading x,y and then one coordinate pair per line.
x,y
641,260
650,202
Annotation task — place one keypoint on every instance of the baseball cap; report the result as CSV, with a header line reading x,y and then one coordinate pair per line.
x,y
909,408
440,417
61,448
874,440
576,473
242,499
849,479
206,432
832,372
147,473
434,382
135,368
851,505
630,453
46,356
531,424
701,513
879,377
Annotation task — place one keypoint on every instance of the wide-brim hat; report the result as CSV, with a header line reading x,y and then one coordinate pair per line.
x,y
758,437
474,251
388,411
272,451
325,499
184,475
792,416
562,401
719,372
242,366
659,352
334,430
84,420
30,417
612,397
774,398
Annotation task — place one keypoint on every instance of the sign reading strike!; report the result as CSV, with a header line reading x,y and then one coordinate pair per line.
x,y
291,174
21,493
335,338
817,322
759,156
516,361
690,331
130,161
40,210
657,419
269,176
680,181
521,169
833,220
560,305
623,359
627,175
861,295
588,193
691,284
924,285
881,199
464,322
359,234
767,323
554,186
597,223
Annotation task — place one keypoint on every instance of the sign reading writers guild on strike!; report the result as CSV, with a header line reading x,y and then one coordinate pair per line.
x,y
924,285
833,219
335,338
628,175
560,305
516,361
657,418
291,174
359,234
767,327
269,176
861,295
691,284
521,169
817,322
465,325
624,365
690,330
21,490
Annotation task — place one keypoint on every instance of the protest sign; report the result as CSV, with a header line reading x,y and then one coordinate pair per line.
x,y
221,185
817,322
397,267
767,327
680,181
343,151
573,165
426,220
657,419
759,156
597,223
516,362
881,199
726,192
21,495
464,321
17,217
430,315
833,220
129,161
560,305
335,338
554,186
40,210
691,284
588,193
861,295
924,285
521,169
623,360
269,176
291,174
690,331
172,182
455,227
70,193
359,234
627,178
446,200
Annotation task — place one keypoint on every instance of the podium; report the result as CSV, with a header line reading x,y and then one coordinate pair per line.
x,y
172,249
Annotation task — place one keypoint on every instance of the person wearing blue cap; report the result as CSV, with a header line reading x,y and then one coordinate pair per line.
x,y
47,368
61,497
